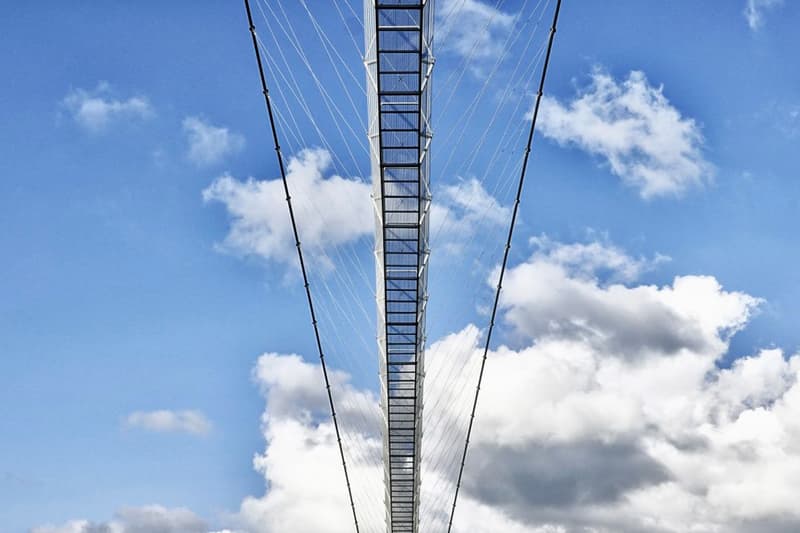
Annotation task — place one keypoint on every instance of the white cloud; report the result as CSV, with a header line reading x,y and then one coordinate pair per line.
x,y
639,434
631,125
301,464
95,109
461,211
74,526
754,11
596,257
210,144
147,519
471,28
165,421
473,203
330,211
612,415
553,296
574,433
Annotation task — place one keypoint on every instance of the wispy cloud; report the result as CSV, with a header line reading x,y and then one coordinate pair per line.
x,y
166,421
471,28
210,144
96,109
463,210
147,519
596,259
645,140
784,117
754,11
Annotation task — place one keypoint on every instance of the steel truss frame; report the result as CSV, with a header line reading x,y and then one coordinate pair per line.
x,y
399,62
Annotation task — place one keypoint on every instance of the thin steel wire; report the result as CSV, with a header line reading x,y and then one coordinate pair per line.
x,y
268,103
505,257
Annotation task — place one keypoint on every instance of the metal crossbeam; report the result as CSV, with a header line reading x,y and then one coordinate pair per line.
x,y
399,61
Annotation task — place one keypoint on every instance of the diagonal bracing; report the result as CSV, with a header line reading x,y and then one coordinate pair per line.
x,y
399,61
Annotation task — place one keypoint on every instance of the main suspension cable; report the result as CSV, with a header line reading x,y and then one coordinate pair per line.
x,y
505,258
268,102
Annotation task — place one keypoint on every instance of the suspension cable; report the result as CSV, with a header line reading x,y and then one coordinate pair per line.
x,y
505,257
268,102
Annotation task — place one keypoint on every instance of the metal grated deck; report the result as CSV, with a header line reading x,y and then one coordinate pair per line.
x,y
399,62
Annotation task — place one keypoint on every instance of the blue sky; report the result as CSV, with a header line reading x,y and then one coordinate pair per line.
x,y
123,291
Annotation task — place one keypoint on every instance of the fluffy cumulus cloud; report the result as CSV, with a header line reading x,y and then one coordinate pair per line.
x,y
609,412
166,421
632,126
96,109
301,464
472,28
330,210
260,224
210,144
552,296
606,411
754,11
148,519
